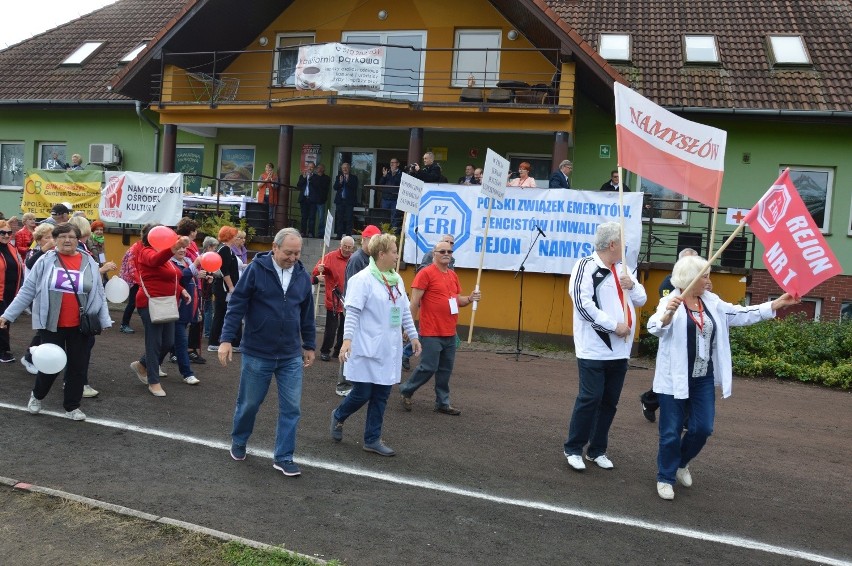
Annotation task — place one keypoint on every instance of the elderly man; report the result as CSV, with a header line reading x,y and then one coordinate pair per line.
x,y
331,270
477,176
559,179
603,337
392,178
308,200
274,297
436,295
467,178
431,171
346,197
59,214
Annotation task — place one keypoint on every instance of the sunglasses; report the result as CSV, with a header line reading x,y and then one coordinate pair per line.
x,y
443,252
5,232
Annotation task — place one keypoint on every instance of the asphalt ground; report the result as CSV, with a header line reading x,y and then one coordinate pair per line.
x,y
491,486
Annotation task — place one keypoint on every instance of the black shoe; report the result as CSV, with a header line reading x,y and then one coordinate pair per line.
x,y
173,358
325,357
448,410
7,358
406,364
196,358
648,413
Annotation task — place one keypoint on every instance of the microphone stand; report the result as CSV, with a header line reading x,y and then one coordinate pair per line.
x,y
517,351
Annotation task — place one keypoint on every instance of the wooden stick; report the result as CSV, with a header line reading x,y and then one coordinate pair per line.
x,y
624,269
712,232
479,272
715,256
401,239
316,299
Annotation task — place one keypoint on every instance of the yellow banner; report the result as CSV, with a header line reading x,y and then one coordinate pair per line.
x,y
44,188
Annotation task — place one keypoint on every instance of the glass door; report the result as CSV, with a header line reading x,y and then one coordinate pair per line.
x,y
362,164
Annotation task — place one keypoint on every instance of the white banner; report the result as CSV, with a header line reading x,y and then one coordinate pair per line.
x,y
141,198
334,66
495,175
568,219
410,193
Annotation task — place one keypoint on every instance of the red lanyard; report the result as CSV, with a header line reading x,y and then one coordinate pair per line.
x,y
700,324
621,294
390,290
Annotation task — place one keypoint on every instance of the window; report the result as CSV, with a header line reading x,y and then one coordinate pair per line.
x,y
788,50
846,311
482,62
82,54
46,152
700,49
286,56
814,185
404,62
12,164
132,55
615,46
810,307
663,205
539,167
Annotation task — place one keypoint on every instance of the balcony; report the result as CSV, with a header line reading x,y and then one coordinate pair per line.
x,y
516,79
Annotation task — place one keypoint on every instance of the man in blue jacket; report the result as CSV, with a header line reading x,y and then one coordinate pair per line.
x,y
274,297
345,200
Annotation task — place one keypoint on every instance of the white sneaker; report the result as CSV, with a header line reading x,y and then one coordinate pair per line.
x,y
602,461
576,462
29,365
212,348
665,490
683,476
34,406
162,373
89,391
191,380
75,415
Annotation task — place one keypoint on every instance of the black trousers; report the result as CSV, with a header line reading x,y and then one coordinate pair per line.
x,y
333,335
131,305
219,308
77,350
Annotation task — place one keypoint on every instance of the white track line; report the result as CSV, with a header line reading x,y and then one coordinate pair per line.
x,y
729,540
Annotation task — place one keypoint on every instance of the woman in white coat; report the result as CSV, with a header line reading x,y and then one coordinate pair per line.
x,y
377,311
693,357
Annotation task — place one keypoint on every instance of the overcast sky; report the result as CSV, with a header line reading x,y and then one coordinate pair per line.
x,y
21,19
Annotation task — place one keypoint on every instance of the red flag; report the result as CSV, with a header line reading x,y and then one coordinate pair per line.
x,y
796,255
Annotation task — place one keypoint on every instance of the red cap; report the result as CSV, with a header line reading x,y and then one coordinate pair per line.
x,y
370,231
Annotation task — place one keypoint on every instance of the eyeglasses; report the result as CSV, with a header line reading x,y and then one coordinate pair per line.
x,y
5,232
443,252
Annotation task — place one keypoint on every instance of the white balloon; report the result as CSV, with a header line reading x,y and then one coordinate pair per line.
x,y
49,358
117,290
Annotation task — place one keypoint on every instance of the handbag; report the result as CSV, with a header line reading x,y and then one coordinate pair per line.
x,y
90,323
161,309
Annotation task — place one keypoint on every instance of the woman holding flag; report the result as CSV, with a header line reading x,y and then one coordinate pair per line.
x,y
694,356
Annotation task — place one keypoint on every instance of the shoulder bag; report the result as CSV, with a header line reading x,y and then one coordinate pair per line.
x,y
90,323
161,309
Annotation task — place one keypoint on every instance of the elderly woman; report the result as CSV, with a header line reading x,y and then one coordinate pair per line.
x,y
158,277
51,287
523,180
377,309
24,237
11,276
208,245
224,286
694,355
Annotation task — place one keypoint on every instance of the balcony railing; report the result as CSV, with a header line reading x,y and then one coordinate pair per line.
x,y
519,77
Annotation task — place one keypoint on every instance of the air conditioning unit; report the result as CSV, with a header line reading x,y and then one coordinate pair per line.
x,y
104,154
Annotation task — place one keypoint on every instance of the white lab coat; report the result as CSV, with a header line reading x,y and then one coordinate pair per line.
x,y
376,355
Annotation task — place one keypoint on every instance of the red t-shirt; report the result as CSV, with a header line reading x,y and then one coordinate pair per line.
x,y
69,312
438,287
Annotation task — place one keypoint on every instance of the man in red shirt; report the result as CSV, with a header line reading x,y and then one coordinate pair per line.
x,y
331,269
436,294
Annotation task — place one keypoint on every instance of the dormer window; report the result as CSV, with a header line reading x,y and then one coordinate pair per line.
x,y
788,50
83,53
700,49
132,55
615,46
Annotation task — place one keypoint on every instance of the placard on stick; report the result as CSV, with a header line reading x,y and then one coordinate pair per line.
x,y
329,226
410,191
495,175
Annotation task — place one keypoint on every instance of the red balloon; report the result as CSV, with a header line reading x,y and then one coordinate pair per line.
x,y
162,238
211,261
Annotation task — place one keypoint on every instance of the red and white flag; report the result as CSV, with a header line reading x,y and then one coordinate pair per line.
x,y
797,256
683,156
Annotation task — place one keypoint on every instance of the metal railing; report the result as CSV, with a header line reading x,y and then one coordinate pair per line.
x,y
433,77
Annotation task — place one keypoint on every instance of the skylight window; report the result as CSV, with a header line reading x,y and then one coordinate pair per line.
x,y
132,55
700,49
615,46
789,50
83,53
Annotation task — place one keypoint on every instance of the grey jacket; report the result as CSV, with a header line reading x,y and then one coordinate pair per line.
x,y
46,305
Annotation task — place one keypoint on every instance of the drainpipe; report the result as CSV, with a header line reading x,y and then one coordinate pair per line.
x,y
156,135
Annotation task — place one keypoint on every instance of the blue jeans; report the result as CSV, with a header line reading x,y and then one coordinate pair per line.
x,y
437,358
377,396
407,350
255,377
676,452
159,339
600,388
181,349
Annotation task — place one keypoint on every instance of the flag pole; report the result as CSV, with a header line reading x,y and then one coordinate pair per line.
x,y
316,299
479,272
716,255
623,245
401,239
712,231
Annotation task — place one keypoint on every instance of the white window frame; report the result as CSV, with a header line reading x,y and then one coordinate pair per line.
x,y
23,146
680,220
310,36
614,57
131,55
42,145
82,54
698,37
489,76
816,301
774,41
826,217
385,37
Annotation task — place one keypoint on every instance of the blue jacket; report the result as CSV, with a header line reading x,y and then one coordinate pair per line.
x,y
187,312
276,327
350,188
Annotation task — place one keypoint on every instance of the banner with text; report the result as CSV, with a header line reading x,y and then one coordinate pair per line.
x,y
334,66
568,219
797,256
140,198
43,189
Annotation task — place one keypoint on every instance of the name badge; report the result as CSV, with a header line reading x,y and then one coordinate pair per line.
x,y
102,257
395,317
454,306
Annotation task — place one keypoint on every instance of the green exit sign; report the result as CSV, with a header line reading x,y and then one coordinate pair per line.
x,y
606,151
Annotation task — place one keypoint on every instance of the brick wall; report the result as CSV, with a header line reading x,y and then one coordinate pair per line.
x,y
833,292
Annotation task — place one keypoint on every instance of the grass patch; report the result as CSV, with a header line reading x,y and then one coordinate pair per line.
x,y
242,555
